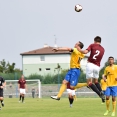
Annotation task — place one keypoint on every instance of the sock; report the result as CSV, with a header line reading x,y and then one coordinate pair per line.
x,y
62,89
98,86
71,100
114,106
79,85
108,104
1,101
94,88
20,97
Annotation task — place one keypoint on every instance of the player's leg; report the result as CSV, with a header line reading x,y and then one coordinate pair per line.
x,y
2,101
1,97
79,85
102,96
63,86
70,97
20,96
23,95
103,99
114,94
89,76
62,89
107,93
97,84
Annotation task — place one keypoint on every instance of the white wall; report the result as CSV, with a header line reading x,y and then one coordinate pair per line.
x,y
35,59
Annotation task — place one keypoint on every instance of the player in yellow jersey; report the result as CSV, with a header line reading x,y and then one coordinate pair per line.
x,y
103,86
110,74
74,72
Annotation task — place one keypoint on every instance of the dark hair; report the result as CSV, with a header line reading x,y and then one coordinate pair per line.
x,y
81,45
110,57
97,39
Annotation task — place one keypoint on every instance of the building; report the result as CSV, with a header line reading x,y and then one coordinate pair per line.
x,y
44,61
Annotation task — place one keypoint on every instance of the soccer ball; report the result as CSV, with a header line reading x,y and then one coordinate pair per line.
x,y
78,8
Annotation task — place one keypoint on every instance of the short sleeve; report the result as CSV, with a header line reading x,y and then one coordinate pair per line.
x,y
75,50
83,55
89,48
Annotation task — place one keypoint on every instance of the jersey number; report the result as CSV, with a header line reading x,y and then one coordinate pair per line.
x,y
79,59
97,53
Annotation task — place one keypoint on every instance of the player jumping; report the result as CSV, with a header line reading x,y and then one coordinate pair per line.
x,y
74,72
93,65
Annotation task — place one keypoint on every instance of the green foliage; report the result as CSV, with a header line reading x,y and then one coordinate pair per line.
x,y
11,76
6,67
82,77
34,76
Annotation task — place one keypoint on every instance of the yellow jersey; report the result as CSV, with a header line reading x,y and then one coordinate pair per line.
x,y
76,57
111,73
103,84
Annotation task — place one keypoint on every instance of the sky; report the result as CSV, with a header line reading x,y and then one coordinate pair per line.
x,y
26,25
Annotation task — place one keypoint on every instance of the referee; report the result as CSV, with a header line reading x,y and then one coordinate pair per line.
x,y
2,85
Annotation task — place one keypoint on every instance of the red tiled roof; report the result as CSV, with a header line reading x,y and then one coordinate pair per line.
x,y
44,50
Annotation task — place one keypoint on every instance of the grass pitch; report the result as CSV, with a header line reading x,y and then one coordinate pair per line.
x,y
46,107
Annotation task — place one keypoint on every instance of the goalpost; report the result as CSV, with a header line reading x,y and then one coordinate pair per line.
x,y
11,89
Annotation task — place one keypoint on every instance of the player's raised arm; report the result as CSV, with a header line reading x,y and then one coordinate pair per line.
x,y
83,51
62,49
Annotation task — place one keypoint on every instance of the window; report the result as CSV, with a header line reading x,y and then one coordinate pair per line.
x,y
39,69
47,69
42,58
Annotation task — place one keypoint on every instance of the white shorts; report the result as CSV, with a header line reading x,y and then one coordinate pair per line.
x,y
92,71
22,91
72,92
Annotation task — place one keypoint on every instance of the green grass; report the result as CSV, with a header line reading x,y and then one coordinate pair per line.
x,y
46,107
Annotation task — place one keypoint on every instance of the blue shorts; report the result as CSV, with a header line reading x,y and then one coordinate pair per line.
x,y
72,76
111,91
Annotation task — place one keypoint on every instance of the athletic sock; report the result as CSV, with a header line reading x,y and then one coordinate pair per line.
x,y
114,106
1,101
71,100
62,89
22,98
108,104
79,85
98,86
94,88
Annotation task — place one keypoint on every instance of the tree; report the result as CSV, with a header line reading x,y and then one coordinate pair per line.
x,y
10,68
3,66
6,67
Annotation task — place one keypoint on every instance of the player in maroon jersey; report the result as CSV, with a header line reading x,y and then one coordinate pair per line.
x,y
22,88
93,65
71,91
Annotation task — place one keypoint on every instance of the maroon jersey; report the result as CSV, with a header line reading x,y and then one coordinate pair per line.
x,y
22,83
68,86
96,53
